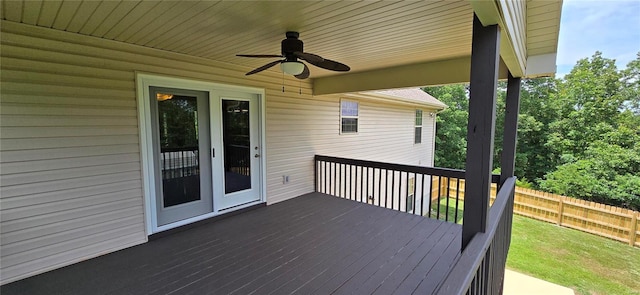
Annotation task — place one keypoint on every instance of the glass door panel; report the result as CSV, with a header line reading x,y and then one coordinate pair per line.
x,y
178,123
237,145
182,159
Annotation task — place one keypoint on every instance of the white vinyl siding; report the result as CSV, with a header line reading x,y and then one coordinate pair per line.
x,y
70,162
384,134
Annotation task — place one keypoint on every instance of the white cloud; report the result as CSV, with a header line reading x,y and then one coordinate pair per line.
x,y
612,27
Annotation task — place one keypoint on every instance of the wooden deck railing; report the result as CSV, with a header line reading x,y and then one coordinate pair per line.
x,y
412,189
480,268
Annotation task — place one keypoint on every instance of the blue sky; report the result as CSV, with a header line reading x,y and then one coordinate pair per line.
x,y
609,26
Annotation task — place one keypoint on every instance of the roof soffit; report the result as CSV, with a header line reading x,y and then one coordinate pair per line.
x,y
371,37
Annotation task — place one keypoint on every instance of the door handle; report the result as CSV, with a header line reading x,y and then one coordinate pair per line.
x,y
256,156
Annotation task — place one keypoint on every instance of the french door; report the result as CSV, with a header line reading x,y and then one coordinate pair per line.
x,y
205,151
240,146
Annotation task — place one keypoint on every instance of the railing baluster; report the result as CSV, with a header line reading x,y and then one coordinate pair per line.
x,y
430,196
447,196
361,182
415,185
422,191
351,183
386,186
406,198
457,199
380,187
393,186
365,195
332,175
339,180
439,193
326,177
399,190
354,178
347,181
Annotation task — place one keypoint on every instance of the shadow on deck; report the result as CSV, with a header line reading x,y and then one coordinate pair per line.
x,y
312,244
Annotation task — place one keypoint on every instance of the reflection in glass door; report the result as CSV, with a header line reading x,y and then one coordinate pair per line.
x,y
181,148
237,145
178,123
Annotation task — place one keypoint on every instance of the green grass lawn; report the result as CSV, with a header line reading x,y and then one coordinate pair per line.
x,y
586,263
450,213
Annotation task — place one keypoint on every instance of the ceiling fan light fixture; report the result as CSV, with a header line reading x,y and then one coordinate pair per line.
x,y
292,67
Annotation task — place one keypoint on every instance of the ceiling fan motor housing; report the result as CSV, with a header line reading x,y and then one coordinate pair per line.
x,y
290,45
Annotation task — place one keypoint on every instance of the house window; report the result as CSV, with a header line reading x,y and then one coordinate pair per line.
x,y
418,127
348,116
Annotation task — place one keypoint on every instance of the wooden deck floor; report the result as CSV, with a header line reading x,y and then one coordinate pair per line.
x,y
312,244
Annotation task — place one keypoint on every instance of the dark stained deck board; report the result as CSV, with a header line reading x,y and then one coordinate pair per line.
x,y
253,246
397,277
285,253
331,260
384,265
428,267
323,245
389,242
315,257
311,244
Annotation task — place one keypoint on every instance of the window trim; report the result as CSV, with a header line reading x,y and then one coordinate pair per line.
x,y
357,117
416,126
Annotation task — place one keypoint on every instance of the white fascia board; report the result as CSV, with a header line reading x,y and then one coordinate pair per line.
x,y
512,44
396,100
543,65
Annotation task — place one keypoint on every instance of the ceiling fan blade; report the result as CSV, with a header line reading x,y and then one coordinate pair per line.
x,y
305,73
262,68
259,55
310,57
320,62
333,65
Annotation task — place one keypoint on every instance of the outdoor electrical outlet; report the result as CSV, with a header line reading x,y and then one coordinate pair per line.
x,y
285,179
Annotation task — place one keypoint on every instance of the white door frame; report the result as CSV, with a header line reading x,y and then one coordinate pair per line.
x,y
143,81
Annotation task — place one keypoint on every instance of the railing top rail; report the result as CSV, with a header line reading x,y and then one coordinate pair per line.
x,y
462,274
437,171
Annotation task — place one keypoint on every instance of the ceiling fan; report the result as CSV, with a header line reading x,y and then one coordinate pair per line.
x,y
292,50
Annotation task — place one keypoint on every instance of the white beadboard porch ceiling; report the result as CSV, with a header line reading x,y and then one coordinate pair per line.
x,y
365,35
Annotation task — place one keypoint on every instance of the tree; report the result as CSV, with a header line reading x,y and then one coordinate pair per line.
x,y
608,174
451,131
590,102
578,136
599,134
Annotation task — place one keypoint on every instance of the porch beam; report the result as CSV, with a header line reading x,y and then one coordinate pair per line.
x,y
431,73
510,137
485,58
